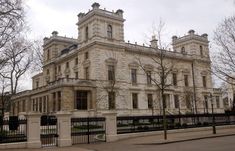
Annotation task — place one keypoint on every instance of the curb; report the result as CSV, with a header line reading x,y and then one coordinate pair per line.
x,y
187,140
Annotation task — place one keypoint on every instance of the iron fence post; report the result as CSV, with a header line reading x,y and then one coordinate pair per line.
x,y
88,131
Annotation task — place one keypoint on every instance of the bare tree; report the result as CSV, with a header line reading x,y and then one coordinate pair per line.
x,y
224,61
111,85
4,85
11,19
18,52
37,56
161,71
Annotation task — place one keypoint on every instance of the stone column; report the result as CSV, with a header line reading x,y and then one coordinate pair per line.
x,y
33,130
111,126
64,128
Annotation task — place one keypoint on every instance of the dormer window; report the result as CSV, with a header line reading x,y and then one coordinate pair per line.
x,y
110,31
86,33
182,50
201,51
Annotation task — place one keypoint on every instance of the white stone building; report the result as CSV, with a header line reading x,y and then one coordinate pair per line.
x,y
83,75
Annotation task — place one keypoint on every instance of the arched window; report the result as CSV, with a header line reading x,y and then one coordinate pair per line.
x,y
201,51
86,32
110,31
182,50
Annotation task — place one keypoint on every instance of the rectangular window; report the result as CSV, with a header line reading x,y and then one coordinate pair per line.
x,y
48,54
76,75
111,73
176,101
206,103
81,100
54,102
86,33
204,81
174,79
133,76
86,55
164,101
150,101
67,64
149,80
44,104
40,105
217,101
36,108
67,76
59,68
188,102
186,80
59,100
87,73
111,97
76,61
135,100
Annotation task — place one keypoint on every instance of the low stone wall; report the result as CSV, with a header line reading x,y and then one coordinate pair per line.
x,y
13,145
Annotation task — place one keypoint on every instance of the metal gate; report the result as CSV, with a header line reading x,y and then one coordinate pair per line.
x,y
49,131
88,130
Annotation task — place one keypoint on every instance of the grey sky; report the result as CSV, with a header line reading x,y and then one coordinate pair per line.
x,y
44,16
203,16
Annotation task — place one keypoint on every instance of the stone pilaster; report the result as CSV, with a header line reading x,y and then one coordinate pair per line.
x,y
64,128
33,130
111,126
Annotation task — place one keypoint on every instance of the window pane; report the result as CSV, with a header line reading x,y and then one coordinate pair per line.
x,y
133,76
150,101
111,73
174,79
176,100
135,100
111,99
186,80
148,77
81,100
217,102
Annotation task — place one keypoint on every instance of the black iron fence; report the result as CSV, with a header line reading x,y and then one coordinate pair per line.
x,y
87,130
49,131
13,129
133,124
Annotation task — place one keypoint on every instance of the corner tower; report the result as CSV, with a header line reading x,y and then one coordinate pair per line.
x,y
192,44
100,25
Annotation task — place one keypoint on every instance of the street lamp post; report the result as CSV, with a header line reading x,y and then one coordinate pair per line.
x,y
213,116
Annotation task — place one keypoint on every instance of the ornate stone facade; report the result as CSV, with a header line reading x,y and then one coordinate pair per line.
x,y
99,71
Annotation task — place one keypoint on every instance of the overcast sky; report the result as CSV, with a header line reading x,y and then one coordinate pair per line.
x,y
45,16
203,16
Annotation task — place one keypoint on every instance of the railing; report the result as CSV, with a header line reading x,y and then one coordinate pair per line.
x,y
49,131
134,124
13,129
87,130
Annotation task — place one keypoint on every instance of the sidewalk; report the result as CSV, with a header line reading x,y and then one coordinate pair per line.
x,y
145,141
183,136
